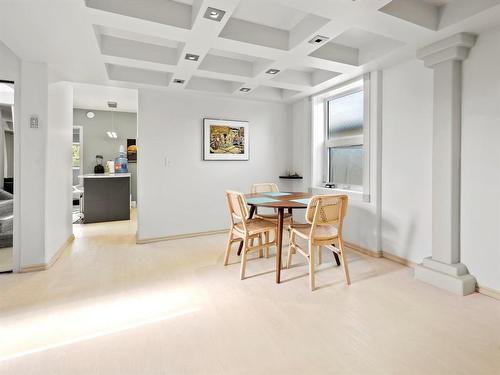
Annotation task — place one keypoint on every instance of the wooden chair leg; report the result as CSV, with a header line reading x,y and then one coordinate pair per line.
x,y
266,239
228,248
344,263
259,242
320,256
335,255
291,249
289,257
312,260
244,255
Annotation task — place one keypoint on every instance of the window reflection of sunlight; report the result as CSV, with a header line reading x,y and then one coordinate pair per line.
x,y
66,324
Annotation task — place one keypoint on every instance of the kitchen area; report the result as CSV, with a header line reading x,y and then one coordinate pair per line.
x,y
104,164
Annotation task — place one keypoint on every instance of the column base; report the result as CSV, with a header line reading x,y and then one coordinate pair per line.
x,y
452,277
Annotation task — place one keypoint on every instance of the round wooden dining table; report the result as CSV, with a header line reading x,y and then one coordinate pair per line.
x,y
279,201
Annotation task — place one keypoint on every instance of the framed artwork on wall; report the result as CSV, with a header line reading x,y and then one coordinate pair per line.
x,y
225,140
131,150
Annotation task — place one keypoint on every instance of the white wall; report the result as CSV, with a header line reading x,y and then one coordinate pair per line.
x,y
480,210
37,231
32,147
9,68
407,161
58,196
301,141
185,194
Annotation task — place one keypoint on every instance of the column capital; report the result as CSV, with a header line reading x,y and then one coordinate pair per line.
x,y
453,48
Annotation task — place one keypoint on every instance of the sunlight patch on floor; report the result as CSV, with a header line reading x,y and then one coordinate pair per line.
x,y
65,324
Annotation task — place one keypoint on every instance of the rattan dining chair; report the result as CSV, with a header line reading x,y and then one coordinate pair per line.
x,y
246,230
325,216
269,187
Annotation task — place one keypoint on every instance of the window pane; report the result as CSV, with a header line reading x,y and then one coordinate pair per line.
x,y
76,155
346,165
76,135
345,116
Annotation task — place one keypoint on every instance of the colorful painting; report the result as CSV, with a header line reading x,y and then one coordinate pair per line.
x,y
131,150
225,140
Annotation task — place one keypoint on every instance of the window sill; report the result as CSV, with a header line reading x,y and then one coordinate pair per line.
x,y
352,194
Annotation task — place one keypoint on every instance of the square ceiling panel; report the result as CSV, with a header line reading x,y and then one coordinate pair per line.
x,y
272,93
268,13
136,75
356,47
131,49
233,63
305,76
436,14
270,24
166,12
212,85
144,38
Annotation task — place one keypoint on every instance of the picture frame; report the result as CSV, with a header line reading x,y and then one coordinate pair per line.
x,y
132,150
225,139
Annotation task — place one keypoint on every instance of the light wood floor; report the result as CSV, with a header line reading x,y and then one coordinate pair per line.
x,y
109,306
5,259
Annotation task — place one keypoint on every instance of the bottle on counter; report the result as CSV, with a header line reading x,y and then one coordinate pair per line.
x,y
99,168
121,162
110,166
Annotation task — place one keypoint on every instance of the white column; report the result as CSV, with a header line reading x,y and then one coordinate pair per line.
x,y
444,269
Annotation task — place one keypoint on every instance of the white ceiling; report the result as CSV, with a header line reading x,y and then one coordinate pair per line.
x,y
96,97
437,2
131,44
268,13
6,94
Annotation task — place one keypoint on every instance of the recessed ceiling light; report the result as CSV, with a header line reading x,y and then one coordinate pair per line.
x,y
245,89
191,57
318,39
214,14
90,115
272,71
180,81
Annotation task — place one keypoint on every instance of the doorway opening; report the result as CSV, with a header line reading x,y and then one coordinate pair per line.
x,y
104,154
7,95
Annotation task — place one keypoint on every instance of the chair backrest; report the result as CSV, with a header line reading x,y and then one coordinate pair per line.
x,y
238,209
327,210
268,187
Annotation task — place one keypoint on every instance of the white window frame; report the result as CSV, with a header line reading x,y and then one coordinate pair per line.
x,y
346,141
320,142
80,167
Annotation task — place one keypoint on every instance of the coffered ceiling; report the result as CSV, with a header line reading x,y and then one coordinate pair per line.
x,y
310,45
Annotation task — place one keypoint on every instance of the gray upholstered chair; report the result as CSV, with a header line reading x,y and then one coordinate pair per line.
x,y
6,218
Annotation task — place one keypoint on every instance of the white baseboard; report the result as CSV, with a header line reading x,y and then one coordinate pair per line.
x,y
493,293
490,292
180,236
53,260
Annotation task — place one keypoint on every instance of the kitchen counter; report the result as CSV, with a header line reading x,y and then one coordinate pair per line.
x,y
105,175
106,197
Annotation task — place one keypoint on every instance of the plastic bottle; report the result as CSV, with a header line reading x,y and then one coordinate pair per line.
x,y
121,162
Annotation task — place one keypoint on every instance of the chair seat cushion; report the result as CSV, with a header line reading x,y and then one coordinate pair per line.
x,y
256,226
322,232
273,216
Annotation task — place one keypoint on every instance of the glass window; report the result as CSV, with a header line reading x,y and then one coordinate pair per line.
x,y
346,166
76,155
344,144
